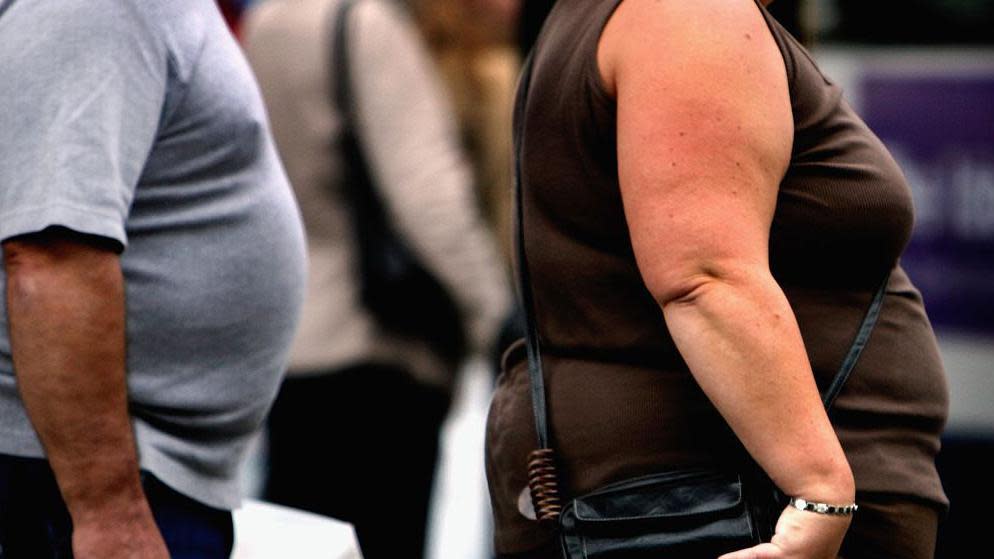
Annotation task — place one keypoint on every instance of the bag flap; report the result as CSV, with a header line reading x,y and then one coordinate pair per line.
x,y
662,497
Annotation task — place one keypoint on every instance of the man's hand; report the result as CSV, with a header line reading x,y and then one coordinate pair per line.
x,y
800,535
65,305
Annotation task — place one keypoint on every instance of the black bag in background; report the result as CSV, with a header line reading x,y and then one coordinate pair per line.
x,y
406,299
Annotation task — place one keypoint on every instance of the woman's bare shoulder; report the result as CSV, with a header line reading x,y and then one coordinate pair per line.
x,y
692,37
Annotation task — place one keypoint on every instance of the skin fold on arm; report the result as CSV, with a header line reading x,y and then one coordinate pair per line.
x,y
65,301
705,133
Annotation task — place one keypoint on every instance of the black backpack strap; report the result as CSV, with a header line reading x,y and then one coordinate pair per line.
x,y
360,190
340,68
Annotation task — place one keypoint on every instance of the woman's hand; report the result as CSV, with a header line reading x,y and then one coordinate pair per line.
x,y
800,535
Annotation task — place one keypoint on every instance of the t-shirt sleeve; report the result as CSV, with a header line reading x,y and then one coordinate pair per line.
x,y
82,89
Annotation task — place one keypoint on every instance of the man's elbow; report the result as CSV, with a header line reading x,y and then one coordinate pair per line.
x,y
37,262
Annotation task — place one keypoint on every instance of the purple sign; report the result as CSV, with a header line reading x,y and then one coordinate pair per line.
x,y
941,130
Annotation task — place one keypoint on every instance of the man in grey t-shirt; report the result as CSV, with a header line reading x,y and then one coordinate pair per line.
x,y
153,264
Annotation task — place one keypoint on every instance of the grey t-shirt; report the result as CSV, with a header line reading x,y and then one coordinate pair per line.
x,y
139,121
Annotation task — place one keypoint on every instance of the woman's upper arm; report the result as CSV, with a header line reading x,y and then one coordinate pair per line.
x,y
705,131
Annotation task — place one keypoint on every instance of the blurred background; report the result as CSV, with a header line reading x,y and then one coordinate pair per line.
x,y
920,72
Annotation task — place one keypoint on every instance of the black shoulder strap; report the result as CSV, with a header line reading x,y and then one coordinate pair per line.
x,y
340,70
856,349
539,407
368,218
523,278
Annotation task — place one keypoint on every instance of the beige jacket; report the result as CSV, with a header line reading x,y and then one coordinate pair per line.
x,y
409,133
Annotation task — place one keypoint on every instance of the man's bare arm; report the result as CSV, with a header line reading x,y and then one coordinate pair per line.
x,y
65,301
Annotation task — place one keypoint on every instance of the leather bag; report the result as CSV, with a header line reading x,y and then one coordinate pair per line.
x,y
693,513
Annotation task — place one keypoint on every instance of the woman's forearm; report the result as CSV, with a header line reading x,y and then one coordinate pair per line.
x,y
741,341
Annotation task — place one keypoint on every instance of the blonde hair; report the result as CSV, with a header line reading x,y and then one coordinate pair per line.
x,y
479,66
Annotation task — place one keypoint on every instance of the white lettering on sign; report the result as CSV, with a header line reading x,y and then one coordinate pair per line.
x,y
953,194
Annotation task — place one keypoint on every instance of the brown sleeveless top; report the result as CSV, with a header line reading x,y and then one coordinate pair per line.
x,y
622,402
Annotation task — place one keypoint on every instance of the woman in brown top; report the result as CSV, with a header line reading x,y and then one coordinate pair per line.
x,y
706,221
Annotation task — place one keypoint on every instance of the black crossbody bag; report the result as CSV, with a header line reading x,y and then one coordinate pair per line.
x,y
406,299
701,512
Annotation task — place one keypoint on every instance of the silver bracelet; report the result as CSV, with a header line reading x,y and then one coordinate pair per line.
x,y
822,508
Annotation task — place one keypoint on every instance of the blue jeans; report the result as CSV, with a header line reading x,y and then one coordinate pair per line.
x,y
34,522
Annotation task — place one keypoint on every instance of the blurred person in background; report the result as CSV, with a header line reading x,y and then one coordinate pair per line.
x,y
470,41
354,432
153,259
